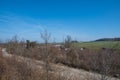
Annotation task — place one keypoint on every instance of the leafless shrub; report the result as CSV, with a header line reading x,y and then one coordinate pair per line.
x,y
68,42
46,36
105,62
14,46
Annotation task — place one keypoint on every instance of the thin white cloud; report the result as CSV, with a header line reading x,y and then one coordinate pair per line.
x,y
29,28
12,25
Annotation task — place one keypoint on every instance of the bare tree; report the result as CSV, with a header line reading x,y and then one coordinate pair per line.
x,y
68,41
46,36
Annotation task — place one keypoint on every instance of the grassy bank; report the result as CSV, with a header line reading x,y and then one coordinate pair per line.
x,y
99,44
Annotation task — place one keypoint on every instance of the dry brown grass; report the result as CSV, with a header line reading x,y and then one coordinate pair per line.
x,y
105,62
20,68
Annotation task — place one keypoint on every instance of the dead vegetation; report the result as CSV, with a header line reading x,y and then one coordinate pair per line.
x,y
21,68
103,61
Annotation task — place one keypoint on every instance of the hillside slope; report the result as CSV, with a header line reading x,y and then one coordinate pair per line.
x,y
60,70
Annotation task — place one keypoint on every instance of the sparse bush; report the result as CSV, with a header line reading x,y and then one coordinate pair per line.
x,y
30,44
103,61
68,42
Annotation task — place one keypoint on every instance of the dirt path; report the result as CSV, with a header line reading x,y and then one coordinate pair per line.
x,y
64,71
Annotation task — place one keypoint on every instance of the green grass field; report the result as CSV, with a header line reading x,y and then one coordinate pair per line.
x,y
99,44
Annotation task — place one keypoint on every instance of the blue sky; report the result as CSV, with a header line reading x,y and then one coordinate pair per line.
x,y
83,20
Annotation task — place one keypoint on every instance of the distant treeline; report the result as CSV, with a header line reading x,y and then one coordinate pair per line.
x,y
108,39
